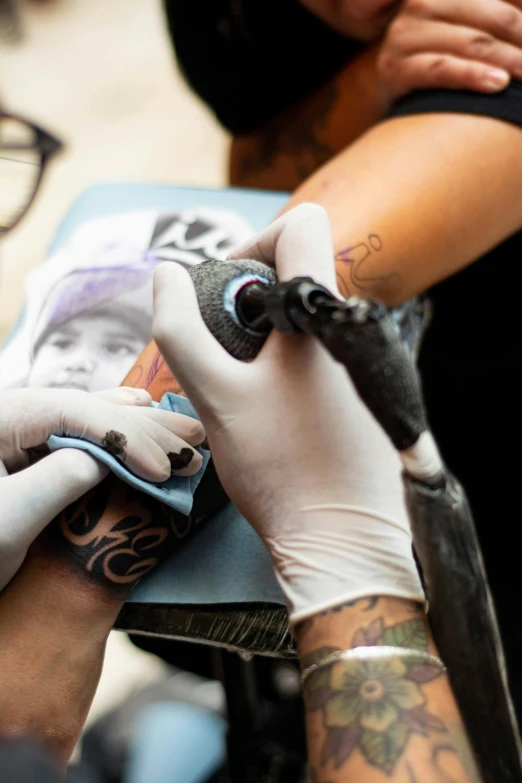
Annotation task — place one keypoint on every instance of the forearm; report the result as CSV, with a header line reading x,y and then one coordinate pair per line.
x,y
378,722
306,136
53,630
418,198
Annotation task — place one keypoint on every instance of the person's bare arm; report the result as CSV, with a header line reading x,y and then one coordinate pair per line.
x,y
391,720
429,44
418,198
57,612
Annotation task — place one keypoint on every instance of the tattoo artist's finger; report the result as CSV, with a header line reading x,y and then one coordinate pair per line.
x,y
425,71
125,395
299,243
194,356
185,427
40,492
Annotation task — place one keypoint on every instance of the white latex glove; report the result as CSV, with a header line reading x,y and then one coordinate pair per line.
x,y
298,453
31,496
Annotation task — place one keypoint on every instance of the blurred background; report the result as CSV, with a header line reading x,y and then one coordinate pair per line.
x,y
101,75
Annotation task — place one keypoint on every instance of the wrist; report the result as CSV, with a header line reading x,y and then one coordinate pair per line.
x,y
332,554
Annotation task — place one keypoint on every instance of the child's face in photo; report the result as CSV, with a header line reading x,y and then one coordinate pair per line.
x,y
91,352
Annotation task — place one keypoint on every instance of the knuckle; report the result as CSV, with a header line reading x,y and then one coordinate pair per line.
x,y
480,45
385,64
436,66
423,8
506,18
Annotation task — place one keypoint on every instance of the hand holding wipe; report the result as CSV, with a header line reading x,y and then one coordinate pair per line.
x,y
297,451
148,441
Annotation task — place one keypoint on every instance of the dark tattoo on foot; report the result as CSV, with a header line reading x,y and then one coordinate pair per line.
x,y
373,706
181,460
115,443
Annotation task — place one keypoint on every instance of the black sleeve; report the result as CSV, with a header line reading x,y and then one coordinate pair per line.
x,y
506,105
250,59
23,761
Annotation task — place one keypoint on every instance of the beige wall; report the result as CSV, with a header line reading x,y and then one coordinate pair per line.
x,y
100,74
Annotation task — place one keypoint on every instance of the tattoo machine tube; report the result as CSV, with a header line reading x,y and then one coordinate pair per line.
x,y
362,336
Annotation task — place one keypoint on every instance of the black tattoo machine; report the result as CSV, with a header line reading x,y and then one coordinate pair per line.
x,y
241,301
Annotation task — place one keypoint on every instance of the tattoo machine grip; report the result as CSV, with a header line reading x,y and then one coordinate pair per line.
x,y
363,338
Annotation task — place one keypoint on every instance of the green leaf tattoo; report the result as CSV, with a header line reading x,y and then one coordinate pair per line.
x,y
373,705
382,749
410,633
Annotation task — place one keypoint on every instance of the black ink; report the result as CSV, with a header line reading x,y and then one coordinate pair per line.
x,y
294,135
181,460
115,443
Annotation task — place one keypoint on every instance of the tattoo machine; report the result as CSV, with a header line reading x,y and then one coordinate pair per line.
x,y
241,301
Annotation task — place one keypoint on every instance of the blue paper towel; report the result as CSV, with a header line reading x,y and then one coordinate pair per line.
x,y
177,492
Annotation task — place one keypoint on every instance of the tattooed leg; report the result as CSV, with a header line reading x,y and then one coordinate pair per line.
x,y
383,719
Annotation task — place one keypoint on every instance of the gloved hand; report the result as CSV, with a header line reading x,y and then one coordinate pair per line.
x,y
147,440
298,453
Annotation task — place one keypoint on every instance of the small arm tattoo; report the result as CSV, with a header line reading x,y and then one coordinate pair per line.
x,y
357,260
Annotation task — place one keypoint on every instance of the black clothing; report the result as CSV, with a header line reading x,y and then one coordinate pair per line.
x,y
249,59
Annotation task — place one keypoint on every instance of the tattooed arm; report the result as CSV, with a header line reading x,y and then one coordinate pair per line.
x,y
432,44
320,483
379,720
57,612
304,137
403,219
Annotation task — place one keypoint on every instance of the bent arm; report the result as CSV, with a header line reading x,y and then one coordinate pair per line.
x,y
418,198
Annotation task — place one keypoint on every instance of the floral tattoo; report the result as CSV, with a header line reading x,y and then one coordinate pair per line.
x,y
373,706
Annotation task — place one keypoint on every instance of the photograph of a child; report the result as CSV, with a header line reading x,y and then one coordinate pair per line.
x,y
88,313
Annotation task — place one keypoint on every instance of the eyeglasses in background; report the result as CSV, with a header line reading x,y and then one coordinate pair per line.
x,y
25,150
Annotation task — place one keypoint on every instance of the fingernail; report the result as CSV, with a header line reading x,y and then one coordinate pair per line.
x,y
495,79
181,460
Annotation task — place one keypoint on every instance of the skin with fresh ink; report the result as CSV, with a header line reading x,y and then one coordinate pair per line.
x,y
181,460
354,265
115,443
